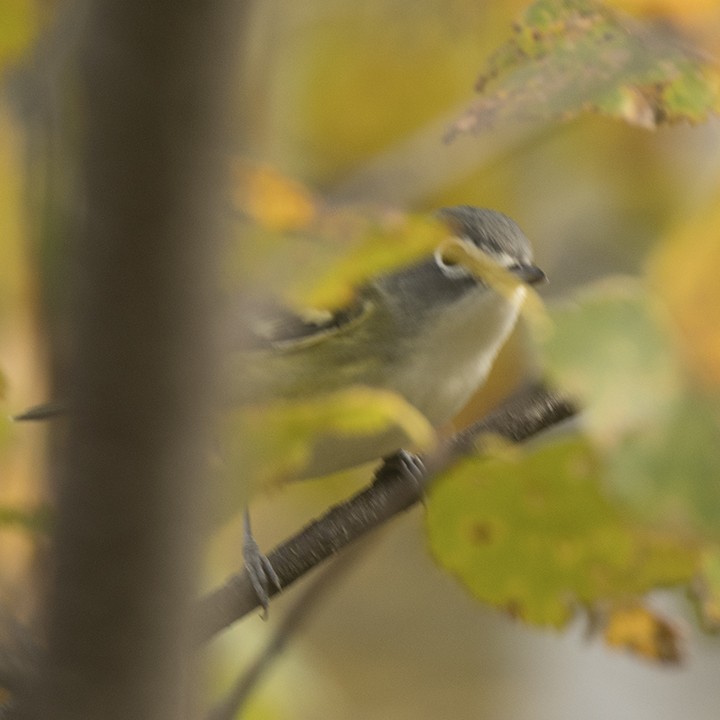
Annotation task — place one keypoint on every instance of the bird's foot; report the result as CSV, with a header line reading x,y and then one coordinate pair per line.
x,y
262,575
408,466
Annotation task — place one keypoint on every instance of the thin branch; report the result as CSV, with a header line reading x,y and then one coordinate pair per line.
x,y
529,412
295,618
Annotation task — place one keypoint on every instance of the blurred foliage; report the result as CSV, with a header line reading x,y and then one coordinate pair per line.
x,y
272,200
311,256
683,273
649,465
21,453
370,73
29,520
538,537
273,442
643,632
571,56
609,348
587,524
707,589
18,25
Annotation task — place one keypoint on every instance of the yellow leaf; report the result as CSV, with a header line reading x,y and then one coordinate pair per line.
x,y
18,25
309,257
684,271
706,588
272,200
643,632
385,244
285,440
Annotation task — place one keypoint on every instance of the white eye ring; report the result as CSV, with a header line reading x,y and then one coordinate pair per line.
x,y
450,271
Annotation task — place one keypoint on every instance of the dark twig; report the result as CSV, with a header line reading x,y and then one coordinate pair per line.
x,y
529,412
295,618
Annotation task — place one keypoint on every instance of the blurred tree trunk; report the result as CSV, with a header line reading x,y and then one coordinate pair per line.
x,y
155,99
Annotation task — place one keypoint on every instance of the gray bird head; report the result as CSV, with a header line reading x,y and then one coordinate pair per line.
x,y
497,235
428,285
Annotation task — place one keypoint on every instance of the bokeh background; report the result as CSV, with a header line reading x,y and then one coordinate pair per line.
x,y
352,100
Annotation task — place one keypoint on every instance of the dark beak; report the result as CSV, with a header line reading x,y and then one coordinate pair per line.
x,y
531,274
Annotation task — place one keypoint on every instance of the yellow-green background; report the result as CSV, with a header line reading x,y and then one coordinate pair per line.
x,y
352,99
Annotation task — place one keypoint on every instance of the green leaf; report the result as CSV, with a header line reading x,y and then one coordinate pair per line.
x,y
571,56
660,441
33,520
538,535
669,472
610,349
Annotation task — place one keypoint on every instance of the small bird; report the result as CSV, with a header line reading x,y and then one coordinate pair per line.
x,y
428,332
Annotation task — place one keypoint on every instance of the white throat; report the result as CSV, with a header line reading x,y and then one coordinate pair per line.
x,y
456,353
